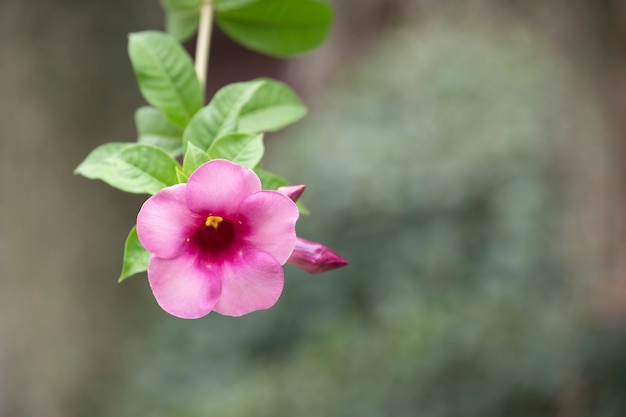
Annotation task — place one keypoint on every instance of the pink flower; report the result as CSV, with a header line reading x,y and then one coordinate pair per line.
x,y
218,242
313,257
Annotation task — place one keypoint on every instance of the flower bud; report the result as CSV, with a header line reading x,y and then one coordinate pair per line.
x,y
292,191
314,257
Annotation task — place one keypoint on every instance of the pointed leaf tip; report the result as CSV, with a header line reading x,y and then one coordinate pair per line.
x,y
136,257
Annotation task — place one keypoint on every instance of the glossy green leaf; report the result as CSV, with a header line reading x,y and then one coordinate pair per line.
x,y
276,27
271,181
220,116
242,148
223,5
136,257
180,175
130,167
153,128
254,106
174,148
194,157
166,75
181,26
273,106
151,121
181,18
98,160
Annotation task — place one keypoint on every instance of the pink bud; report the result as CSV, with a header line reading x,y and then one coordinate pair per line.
x,y
314,257
292,191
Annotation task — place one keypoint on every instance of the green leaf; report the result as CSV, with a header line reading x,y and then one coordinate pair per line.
x,y
166,75
181,26
273,106
151,121
180,175
174,148
219,117
242,148
303,210
231,4
270,181
254,106
136,257
180,5
194,157
130,167
98,160
153,128
276,27
181,18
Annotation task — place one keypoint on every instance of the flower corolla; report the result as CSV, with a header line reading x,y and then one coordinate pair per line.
x,y
313,257
218,242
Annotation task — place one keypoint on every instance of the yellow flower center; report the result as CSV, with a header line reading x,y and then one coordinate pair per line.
x,y
213,221
215,234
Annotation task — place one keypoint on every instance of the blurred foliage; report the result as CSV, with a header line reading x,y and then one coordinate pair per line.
x,y
434,168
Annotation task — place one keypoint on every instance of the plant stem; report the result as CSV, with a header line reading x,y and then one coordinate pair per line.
x,y
204,41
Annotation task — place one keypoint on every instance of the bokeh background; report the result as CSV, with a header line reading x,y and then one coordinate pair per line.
x,y
467,157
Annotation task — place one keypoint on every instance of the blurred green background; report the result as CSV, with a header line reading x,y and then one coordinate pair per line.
x,y
466,158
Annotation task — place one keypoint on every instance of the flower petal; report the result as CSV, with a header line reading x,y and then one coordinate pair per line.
x,y
253,281
314,257
269,222
182,287
164,222
219,186
292,191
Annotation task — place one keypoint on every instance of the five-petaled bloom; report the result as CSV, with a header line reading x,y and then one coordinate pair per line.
x,y
218,242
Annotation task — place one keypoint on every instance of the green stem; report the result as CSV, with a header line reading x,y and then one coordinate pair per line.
x,y
203,43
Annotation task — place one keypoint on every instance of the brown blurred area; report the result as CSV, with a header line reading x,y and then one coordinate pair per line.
x,y
66,87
